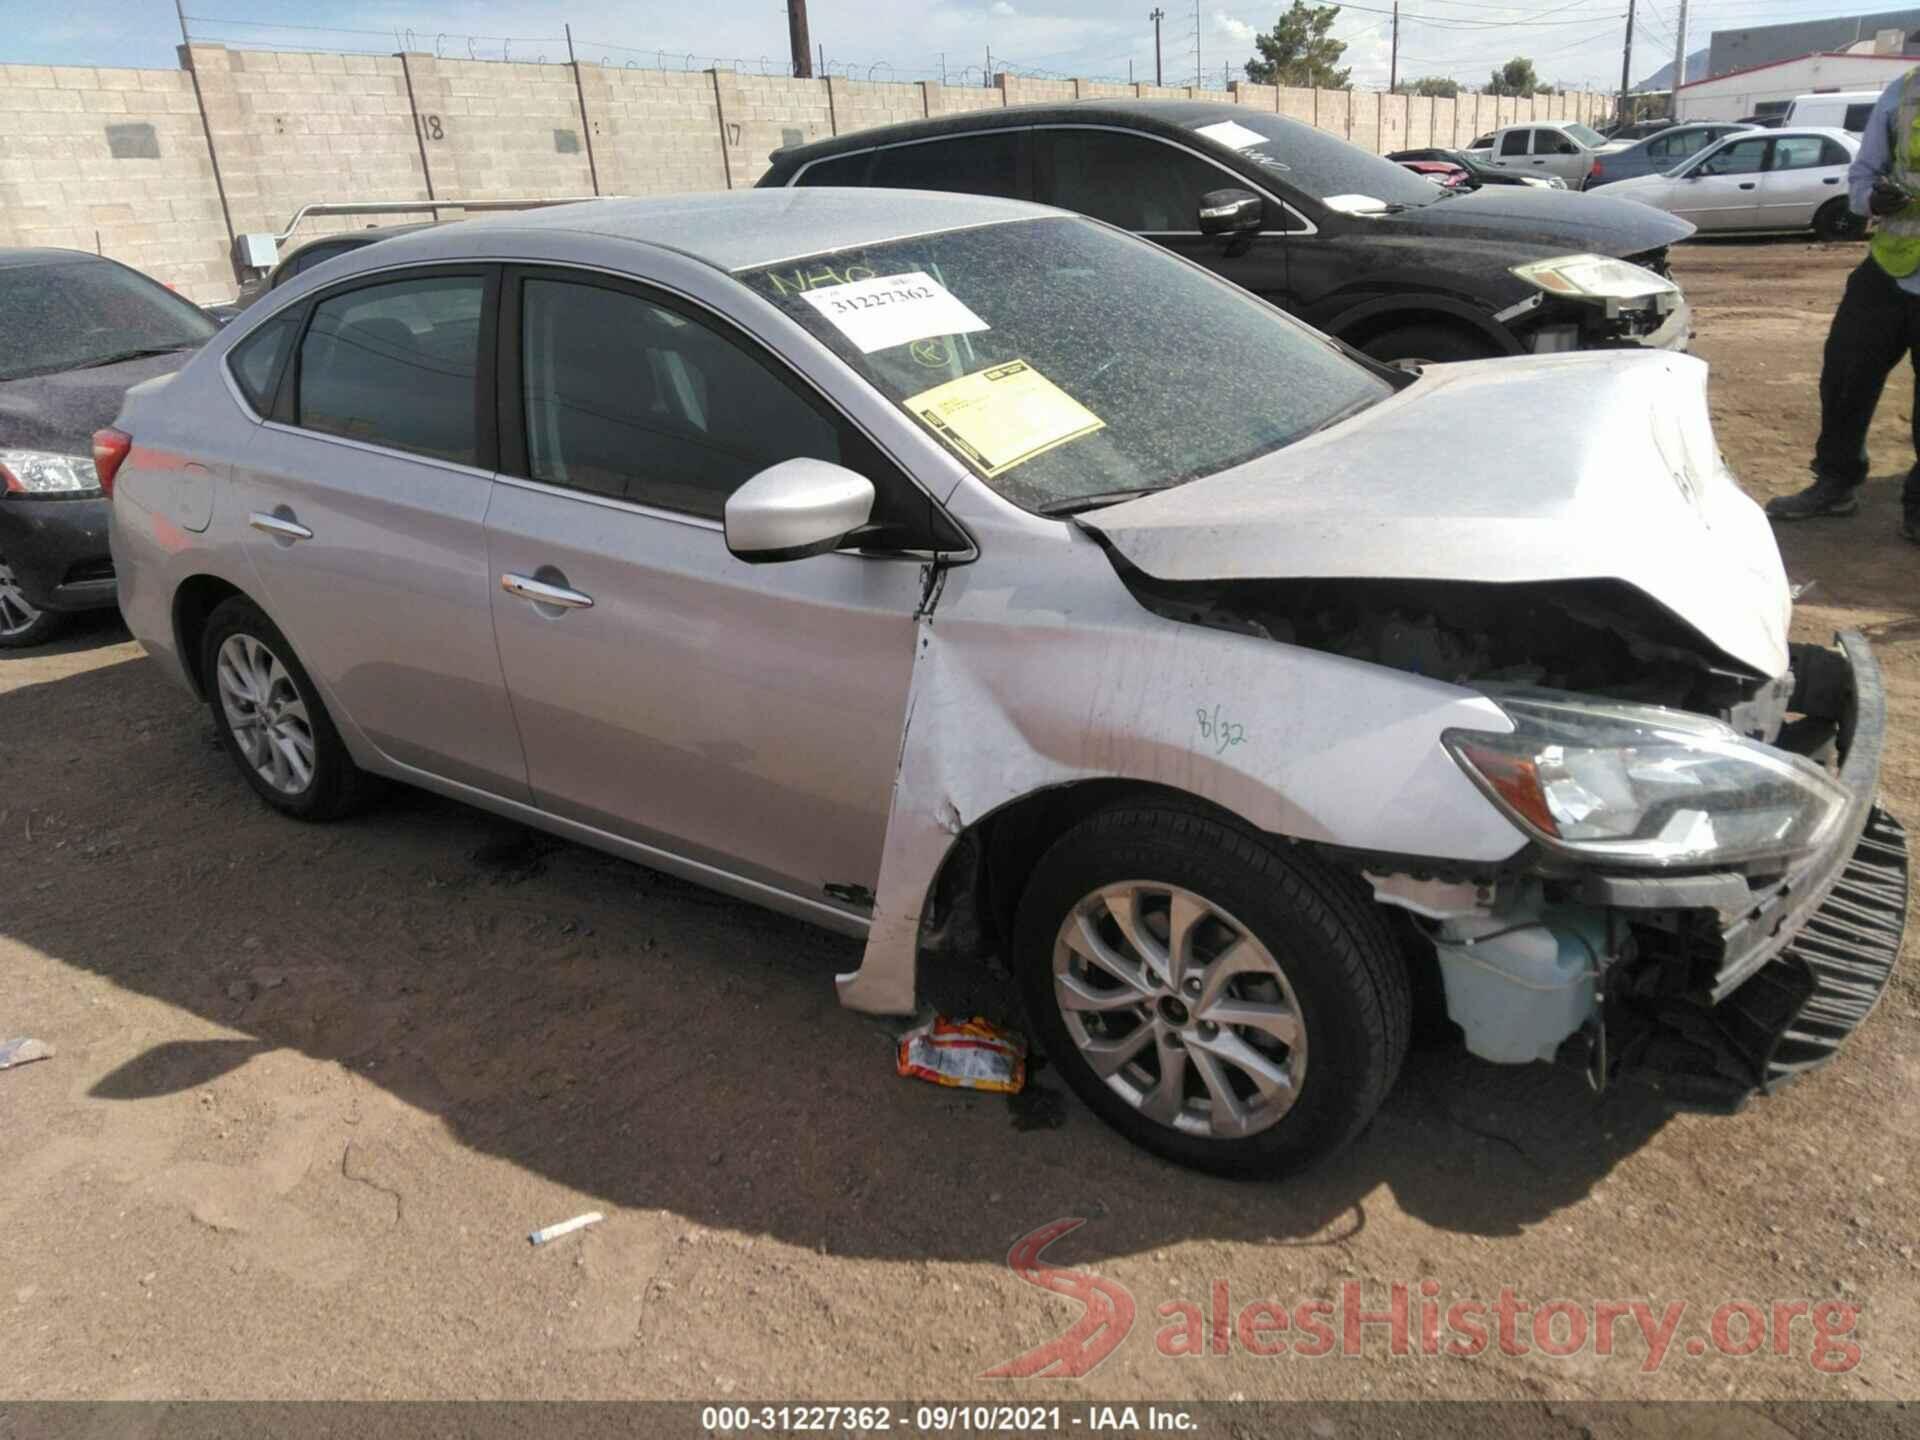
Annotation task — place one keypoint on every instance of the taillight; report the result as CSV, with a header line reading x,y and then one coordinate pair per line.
x,y
1594,173
110,447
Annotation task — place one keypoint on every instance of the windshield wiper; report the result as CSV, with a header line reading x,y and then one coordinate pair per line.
x,y
1073,505
141,354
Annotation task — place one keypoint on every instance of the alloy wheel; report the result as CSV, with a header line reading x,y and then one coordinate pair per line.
x,y
264,710
16,615
1180,1009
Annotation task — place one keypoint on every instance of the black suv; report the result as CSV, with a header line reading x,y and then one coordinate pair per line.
x,y
1350,242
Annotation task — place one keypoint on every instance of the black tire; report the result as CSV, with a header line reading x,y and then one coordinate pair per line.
x,y
1349,984
1835,222
1412,345
44,625
335,786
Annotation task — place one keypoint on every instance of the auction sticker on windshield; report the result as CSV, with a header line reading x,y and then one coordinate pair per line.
x,y
892,310
1003,416
1232,132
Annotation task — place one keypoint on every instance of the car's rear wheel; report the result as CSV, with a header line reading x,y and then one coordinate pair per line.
x,y
1411,346
1221,1002
271,719
22,623
1836,221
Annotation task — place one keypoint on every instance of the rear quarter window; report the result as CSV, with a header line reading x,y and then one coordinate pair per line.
x,y
255,363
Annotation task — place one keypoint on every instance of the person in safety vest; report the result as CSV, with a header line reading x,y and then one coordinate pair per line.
x,y
1879,316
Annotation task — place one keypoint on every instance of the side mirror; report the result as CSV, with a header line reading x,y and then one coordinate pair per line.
x,y
1231,212
795,509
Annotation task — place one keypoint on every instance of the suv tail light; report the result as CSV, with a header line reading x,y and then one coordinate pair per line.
x,y
110,447
1594,173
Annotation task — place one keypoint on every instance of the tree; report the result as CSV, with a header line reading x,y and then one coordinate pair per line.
x,y
1299,51
1516,77
1438,85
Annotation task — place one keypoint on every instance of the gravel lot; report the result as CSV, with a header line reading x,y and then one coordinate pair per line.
x,y
314,1086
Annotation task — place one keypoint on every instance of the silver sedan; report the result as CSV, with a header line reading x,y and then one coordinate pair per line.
x,y
968,577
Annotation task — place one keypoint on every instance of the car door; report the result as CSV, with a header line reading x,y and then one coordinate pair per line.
x,y
1510,149
1153,187
1721,190
1557,153
745,717
365,496
1803,173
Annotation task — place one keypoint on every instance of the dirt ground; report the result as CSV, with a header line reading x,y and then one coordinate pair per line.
x,y
314,1086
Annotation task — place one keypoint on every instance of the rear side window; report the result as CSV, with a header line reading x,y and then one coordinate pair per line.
x,y
624,398
394,365
1514,142
990,164
840,170
1856,118
1132,181
1799,152
255,361
1832,152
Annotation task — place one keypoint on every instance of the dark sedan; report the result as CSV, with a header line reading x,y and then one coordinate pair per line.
x,y
1348,241
76,333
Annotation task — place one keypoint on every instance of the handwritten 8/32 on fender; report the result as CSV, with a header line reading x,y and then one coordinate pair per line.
x,y
934,1419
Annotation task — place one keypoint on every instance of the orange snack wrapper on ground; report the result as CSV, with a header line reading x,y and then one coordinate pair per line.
x,y
971,1054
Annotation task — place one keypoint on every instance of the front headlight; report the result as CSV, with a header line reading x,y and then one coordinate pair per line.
x,y
1594,277
41,472
1641,785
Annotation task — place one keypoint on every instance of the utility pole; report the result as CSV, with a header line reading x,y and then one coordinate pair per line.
x,y
1393,64
1157,15
1679,61
797,39
1626,66
1197,83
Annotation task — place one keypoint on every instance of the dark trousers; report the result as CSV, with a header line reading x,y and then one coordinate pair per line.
x,y
1877,323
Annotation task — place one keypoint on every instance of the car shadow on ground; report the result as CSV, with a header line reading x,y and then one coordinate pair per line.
x,y
90,630
644,1041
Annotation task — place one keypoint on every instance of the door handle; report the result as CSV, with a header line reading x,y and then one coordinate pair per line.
x,y
1746,184
279,526
1831,180
525,587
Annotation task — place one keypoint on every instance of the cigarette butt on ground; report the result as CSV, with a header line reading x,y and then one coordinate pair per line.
x,y
565,1227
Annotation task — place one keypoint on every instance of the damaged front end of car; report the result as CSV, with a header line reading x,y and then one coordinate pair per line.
x,y
1709,899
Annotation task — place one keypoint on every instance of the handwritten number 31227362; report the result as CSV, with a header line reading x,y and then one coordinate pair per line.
x,y
1222,732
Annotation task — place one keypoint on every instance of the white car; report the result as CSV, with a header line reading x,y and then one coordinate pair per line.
x,y
1546,150
1776,180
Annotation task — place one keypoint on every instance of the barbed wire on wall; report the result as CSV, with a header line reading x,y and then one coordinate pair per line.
x,y
552,50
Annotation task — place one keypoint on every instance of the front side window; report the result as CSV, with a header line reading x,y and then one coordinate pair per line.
x,y
73,315
1856,118
627,399
394,365
1060,361
1132,181
1742,157
989,164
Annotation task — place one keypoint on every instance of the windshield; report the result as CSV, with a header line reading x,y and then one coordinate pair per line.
x,y
1062,360
82,312
1315,162
1592,139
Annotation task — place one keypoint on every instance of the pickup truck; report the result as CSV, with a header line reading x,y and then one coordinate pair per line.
x,y
1563,148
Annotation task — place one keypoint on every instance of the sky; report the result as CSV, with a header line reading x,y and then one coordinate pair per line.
x,y
1572,42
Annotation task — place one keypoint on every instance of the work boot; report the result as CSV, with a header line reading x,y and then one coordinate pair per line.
x,y
1824,497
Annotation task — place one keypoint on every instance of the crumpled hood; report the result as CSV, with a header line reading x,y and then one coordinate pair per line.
x,y
1564,221
60,412
1565,467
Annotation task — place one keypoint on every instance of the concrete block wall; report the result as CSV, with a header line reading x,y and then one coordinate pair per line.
x,y
154,205
655,132
287,129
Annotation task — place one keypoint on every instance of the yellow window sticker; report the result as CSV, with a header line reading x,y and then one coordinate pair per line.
x,y
1003,416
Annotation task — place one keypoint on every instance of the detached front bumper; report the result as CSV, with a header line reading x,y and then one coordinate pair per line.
x,y
1756,983
58,551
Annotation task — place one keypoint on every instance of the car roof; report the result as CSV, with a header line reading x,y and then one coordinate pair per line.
x,y
740,229
16,258
1167,116
1825,132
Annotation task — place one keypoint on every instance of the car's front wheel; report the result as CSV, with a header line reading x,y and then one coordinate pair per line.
x,y
22,623
1412,346
271,719
1226,1003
